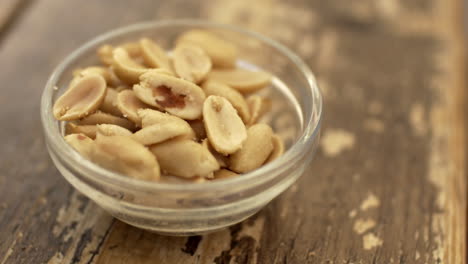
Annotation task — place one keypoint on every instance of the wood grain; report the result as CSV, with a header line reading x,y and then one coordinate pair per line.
x,y
387,186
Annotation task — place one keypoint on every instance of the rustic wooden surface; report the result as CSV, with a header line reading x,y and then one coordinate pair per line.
x,y
388,183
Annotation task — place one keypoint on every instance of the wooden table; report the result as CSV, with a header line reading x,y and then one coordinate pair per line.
x,y
388,184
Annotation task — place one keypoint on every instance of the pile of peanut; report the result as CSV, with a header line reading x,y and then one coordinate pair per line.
x,y
164,116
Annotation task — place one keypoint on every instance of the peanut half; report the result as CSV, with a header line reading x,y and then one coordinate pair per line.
x,y
176,96
113,130
109,105
104,118
221,52
105,54
153,55
278,148
254,151
224,127
129,104
223,161
161,132
244,81
258,106
106,73
83,97
133,49
185,158
191,63
224,174
81,143
127,156
127,69
88,130
232,95
151,117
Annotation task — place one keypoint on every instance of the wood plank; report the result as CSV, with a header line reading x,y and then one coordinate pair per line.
x,y
387,186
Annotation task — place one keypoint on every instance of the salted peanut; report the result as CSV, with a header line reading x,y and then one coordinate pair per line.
x,y
127,69
199,128
83,97
113,130
221,52
224,174
129,105
127,156
278,148
122,87
81,143
191,63
88,130
224,127
258,106
150,117
232,95
162,71
185,158
158,133
106,73
176,96
223,161
105,118
133,49
153,55
254,151
109,105
105,54
244,81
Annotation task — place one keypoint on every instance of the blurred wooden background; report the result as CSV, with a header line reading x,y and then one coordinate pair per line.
x,y
388,184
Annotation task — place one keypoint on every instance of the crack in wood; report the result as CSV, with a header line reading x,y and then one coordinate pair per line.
x,y
191,245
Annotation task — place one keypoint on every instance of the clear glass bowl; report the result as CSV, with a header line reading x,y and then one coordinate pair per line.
x,y
187,209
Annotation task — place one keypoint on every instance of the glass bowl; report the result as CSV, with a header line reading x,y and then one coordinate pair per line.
x,y
188,209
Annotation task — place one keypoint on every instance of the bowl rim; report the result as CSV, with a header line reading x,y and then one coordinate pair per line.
x,y
56,141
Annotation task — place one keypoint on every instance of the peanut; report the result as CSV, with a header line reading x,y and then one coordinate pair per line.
x,y
133,49
244,81
221,52
105,54
224,127
153,55
113,130
191,63
232,95
158,133
127,156
185,158
106,73
81,143
278,148
104,118
224,174
176,96
125,67
109,105
258,106
129,104
223,161
88,130
83,97
151,117
254,151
